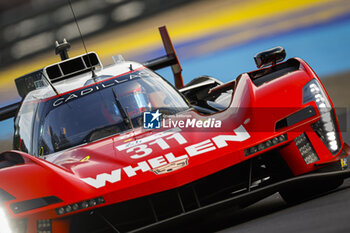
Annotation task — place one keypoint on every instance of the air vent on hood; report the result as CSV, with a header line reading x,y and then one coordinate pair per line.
x,y
5,196
8,159
262,76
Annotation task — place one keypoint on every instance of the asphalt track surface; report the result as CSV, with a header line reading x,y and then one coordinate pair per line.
x,y
328,213
325,214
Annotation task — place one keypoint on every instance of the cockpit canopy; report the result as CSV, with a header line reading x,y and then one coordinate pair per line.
x,y
95,111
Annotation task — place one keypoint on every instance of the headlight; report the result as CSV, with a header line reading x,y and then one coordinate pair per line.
x,y
326,126
267,144
44,226
306,149
4,223
80,205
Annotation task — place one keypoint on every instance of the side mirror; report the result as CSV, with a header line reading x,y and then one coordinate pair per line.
x,y
270,57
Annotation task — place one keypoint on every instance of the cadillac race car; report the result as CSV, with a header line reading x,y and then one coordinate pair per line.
x,y
119,149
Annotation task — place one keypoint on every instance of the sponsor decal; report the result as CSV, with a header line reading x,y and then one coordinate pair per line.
x,y
85,159
147,139
344,163
127,136
140,149
171,167
99,86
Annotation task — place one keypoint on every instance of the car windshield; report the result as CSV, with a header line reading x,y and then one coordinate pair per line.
x,y
103,109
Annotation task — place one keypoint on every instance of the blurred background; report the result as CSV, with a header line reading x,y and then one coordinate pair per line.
x,y
217,38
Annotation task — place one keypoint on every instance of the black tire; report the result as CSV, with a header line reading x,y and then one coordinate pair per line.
x,y
308,190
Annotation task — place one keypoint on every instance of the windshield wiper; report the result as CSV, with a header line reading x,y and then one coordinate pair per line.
x,y
121,109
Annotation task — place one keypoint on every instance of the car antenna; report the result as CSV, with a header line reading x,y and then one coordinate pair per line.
x,y
82,40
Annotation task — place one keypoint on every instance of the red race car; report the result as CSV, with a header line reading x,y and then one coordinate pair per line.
x,y
119,149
